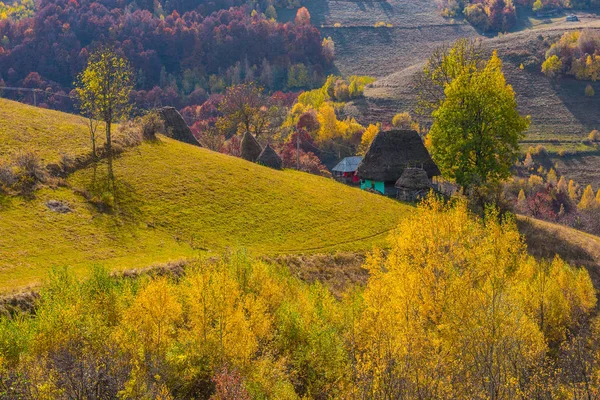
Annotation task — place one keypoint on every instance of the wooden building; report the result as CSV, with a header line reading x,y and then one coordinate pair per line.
x,y
390,153
345,170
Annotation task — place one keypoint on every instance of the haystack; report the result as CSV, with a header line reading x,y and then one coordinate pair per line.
x,y
393,151
413,179
413,185
269,158
250,147
176,127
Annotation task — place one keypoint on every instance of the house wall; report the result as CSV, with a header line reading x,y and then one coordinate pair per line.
x,y
369,184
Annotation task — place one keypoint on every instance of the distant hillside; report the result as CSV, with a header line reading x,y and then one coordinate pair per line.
x,y
172,200
562,116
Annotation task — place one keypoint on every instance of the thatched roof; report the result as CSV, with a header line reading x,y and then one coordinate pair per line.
x,y
176,127
413,179
269,158
348,164
250,147
391,152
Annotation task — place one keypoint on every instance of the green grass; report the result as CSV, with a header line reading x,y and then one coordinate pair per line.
x,y
176,201
48,133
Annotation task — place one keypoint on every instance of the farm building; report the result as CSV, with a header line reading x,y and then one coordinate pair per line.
x,y
390,153
345,170
413,185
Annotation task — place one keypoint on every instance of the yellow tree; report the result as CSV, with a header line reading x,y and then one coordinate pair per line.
x,y
588,200
367,137
562,185
572,191
459,310
551,177
103,88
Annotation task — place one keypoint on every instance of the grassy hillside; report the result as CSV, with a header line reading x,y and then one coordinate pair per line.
x,y
49,133
172,200
545,240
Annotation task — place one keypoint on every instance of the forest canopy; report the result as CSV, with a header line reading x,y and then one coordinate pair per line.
x,y
179,56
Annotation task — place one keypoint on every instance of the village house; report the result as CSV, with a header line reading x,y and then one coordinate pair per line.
x,y
390,153
345,170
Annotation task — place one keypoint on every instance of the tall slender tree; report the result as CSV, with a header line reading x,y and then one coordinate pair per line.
x,y
103,89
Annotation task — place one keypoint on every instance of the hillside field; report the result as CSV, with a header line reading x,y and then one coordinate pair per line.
x,y
171,201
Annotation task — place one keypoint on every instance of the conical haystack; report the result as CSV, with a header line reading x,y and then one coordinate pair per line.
x,y
176,127
269,158
413,179
250,147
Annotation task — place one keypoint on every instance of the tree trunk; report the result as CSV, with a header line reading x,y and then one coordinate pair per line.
x,y
108,138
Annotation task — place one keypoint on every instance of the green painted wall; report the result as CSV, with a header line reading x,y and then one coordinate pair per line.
x,y
377,185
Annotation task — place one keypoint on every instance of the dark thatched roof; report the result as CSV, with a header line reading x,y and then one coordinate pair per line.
x,y
391,152
413,179
269,158
176,127
250,147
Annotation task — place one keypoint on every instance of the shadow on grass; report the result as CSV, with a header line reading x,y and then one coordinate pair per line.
x,y
111,194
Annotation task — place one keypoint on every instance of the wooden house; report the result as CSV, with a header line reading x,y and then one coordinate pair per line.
x,y
390,153
345,170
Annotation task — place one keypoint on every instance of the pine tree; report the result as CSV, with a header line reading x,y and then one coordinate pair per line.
x,y
562,185
588,200
573,191
551,177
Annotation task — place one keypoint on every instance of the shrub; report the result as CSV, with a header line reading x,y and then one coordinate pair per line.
x,y
380,24
28,172
150,125
341,91
552,66
129,135
589,91
594,136
476,15
402,120
540,150
7,177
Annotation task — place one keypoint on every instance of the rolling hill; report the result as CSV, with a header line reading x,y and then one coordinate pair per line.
x,y
562,116
171,201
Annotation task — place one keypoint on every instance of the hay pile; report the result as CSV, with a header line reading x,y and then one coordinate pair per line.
x,y
176,127
250,148
269,158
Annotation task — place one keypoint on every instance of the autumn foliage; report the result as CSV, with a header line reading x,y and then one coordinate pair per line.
x,y
457,309
179,52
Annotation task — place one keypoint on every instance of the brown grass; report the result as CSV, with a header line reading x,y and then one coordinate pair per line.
x,y
545,240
